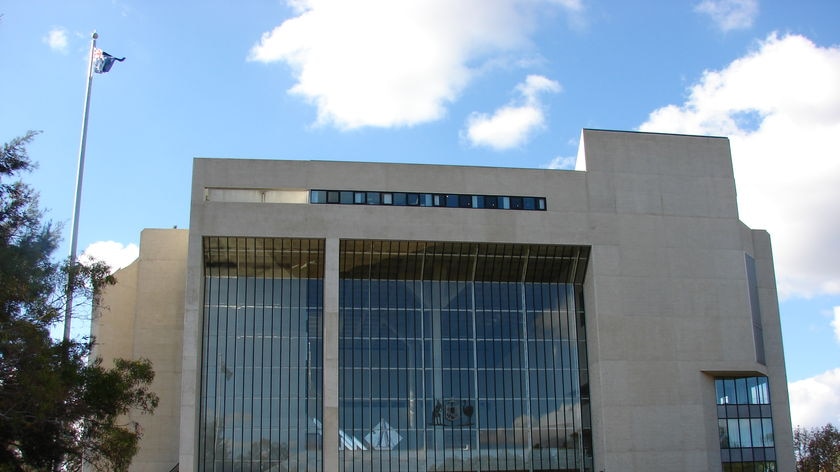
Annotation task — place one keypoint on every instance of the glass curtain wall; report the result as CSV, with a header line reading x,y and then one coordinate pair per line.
x,y
261,370
462,356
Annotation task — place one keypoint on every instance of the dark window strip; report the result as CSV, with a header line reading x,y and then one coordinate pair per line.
x,y
444,200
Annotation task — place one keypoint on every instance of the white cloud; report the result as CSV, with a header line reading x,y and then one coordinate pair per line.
x,y
56,39
112,253
730,14
512,125
835,323
384,63
562,162
815,401
780,107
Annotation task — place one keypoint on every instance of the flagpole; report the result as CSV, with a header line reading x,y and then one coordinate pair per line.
x,y
74,238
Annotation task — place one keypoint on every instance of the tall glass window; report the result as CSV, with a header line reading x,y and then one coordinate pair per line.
x,y
261,355
462,356
745,424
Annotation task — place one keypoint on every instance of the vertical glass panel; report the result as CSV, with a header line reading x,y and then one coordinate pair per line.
x,y
261,368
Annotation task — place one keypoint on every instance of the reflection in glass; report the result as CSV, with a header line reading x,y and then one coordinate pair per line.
x,y
461,356
745,424
261,355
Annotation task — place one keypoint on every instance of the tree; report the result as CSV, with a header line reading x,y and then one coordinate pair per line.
x,y
58,407
817,449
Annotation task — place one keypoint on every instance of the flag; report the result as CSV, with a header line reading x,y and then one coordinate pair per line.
x,y
102,61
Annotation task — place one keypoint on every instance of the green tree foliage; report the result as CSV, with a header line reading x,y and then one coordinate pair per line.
x,y
58,408
817,449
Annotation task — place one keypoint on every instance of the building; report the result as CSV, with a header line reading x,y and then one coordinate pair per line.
x,y
356,316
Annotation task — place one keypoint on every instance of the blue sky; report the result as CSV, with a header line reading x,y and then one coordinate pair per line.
x,y
472,82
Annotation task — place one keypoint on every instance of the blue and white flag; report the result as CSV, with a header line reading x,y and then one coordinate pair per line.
x,y
102,61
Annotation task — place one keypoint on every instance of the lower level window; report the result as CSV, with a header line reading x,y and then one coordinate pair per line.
x,y
745,423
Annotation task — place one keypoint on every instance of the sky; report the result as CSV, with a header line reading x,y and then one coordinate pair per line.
x,y
506,83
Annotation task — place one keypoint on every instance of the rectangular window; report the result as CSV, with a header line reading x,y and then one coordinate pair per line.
x,y
755,308
318,196
745,426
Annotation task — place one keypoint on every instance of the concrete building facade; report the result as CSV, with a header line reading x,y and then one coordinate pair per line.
x,y
356,316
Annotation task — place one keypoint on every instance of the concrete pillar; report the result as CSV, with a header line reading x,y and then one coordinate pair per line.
x,y
330,347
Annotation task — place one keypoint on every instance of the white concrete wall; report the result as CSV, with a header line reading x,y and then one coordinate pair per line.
x,y
142,317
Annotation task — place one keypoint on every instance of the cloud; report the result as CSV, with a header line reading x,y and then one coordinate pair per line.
x,y
379,63
56,39
780,107
730,14
112,253
512,125
562,162
815,401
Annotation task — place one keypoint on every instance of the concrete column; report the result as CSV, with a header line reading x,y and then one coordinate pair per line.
x,y
330,356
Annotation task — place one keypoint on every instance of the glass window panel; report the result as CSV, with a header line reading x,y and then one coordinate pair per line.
x,y
734,433
528,203
724,433
346,198
741,391
719,393
744,428
318,196
729,391
767,431
757,439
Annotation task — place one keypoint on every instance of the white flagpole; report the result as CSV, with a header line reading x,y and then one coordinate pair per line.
x,y
74,238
